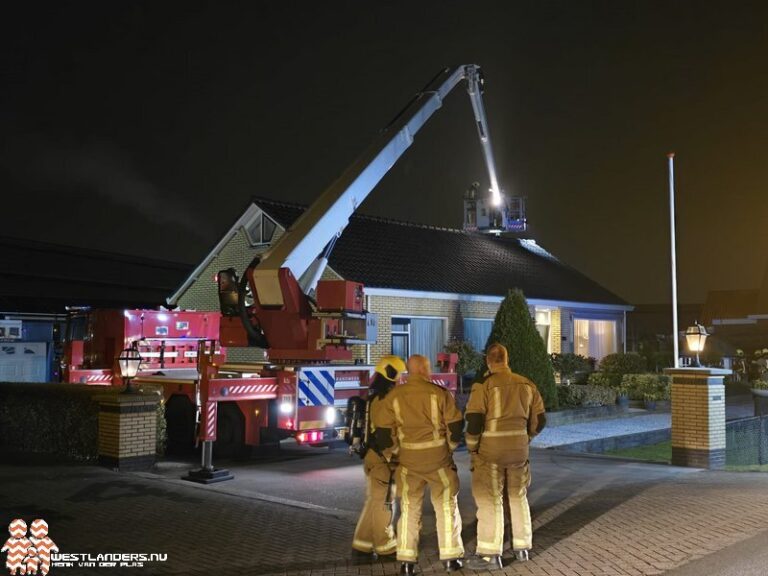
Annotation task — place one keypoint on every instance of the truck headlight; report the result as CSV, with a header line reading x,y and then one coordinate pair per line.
x,y
330,416
286,408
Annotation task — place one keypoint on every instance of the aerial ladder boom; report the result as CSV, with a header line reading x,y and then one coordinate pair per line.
x,y
283,314
327,217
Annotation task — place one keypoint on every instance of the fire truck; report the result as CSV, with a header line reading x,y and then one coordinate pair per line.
x,y
256,404
306,325
178,349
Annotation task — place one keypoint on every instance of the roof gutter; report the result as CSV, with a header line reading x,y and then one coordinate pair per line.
x,y
494,299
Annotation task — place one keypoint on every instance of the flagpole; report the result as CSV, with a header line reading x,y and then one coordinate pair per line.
x,y
675,335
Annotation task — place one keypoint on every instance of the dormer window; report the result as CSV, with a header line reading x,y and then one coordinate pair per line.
x,y
261,230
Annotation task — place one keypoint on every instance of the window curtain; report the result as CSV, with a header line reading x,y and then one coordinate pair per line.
x,y
595,338
602,338
427,337
476,332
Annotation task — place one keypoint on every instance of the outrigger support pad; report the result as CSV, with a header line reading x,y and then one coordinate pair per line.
x,y
208,474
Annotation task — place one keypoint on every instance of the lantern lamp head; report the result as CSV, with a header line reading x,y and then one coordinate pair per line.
x,y
129,361
696,336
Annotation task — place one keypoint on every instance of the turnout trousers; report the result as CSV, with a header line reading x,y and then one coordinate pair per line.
x,y
487,488
375,530
444,487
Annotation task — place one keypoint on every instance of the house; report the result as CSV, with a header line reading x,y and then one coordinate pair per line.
x,y
430,284
739,317
38,281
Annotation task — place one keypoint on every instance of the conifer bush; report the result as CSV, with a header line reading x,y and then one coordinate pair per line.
x,y
515,328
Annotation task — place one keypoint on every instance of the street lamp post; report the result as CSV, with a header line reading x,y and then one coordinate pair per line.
x,y
129,361
696,336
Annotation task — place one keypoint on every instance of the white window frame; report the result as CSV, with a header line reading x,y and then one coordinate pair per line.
x,y
260,215
548,310
618,325
408,332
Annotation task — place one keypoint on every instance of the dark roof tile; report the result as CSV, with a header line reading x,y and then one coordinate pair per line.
x,y
386,253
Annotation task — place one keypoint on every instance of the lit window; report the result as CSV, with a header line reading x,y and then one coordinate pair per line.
x,y
594,338
543,318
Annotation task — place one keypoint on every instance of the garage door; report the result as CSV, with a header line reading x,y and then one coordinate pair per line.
x,y
23,362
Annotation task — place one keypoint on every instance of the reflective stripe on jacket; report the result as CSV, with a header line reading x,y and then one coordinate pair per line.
x,y
502,416
424,422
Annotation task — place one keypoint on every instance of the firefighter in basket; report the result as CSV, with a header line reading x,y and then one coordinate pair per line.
x,y
375,531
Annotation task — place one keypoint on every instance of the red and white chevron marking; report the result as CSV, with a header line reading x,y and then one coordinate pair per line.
x,y
17,528
31,562
99,378
39,528
44,545
17,551
252,388
210,420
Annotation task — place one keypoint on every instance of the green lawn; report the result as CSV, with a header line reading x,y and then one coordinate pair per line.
x,y
654,452
663,453
748,468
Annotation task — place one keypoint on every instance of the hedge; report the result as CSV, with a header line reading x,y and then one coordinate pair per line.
x,y
575,395
641,385
58,419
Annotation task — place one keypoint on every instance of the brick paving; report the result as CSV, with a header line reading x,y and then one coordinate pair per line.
x,y
633,529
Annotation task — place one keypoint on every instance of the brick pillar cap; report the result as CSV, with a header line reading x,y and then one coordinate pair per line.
x,y
698,371
118,398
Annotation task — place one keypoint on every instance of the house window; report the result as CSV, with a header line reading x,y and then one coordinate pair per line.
x,y
594,338
415,335
477,331
261,229
543,319
401,330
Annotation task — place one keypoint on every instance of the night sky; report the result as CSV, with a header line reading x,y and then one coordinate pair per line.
x,y
144,128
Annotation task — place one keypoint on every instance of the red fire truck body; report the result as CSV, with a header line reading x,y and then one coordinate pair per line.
x,y
167,341
240,404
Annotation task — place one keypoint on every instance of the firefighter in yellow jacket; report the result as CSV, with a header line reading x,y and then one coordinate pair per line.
x,y
375,532
426,427
503,413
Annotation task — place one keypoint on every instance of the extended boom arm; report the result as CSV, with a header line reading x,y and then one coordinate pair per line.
x,y
327,217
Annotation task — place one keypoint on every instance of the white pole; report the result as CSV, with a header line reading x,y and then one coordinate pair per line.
x,y
675,336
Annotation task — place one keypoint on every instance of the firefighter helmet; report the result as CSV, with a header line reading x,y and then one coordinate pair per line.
x,y
390,367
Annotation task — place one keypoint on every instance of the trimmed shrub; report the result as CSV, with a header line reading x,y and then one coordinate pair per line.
x,y
569,396
598,396
619,364
641,385
58,419
599,379
577,395
572,366
516,330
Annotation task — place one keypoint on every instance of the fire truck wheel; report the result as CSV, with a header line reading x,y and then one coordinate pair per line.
x,y
230,432
180,425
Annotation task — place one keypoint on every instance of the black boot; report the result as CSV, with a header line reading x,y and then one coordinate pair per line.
x,y
522,555
408,568
358,556
453,565
484,563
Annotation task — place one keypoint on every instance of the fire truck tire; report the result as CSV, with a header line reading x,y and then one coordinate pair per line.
x,y
230,432
180,425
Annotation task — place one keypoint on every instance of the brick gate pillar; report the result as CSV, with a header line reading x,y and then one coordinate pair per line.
x,y
127,430
698,416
